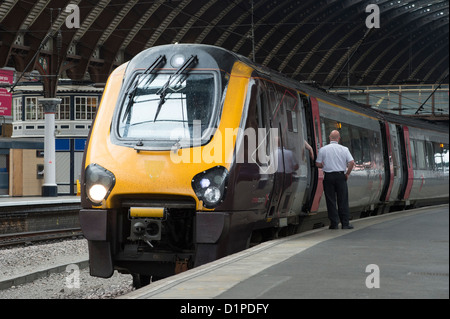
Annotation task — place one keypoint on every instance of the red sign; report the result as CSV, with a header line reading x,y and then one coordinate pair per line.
x,y
6,76
5,102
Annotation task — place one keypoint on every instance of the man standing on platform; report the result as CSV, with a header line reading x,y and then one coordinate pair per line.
x,y
337,163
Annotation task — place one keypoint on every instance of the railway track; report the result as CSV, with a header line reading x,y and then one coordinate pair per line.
x,y
30,237
22,223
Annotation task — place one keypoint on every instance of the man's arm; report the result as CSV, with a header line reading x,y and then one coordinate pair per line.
x,y
349,168
310,150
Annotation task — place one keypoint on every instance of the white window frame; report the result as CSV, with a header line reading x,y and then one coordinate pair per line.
x,y
63,110
37,110
85,107
17,105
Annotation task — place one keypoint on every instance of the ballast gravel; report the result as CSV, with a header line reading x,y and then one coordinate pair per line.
x,y
74,283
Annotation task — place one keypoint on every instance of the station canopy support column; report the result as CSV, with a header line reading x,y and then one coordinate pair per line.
x,y
49,188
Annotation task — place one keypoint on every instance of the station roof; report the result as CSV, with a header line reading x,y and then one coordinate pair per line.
x,y
325,41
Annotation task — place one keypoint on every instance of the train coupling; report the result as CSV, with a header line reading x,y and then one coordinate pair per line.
x,y
146,224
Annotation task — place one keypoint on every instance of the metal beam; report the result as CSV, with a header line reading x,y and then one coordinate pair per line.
x,y
165,23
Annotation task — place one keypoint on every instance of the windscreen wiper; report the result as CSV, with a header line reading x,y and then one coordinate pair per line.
x,y
163,90
149,70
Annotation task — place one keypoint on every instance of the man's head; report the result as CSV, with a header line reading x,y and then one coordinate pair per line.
x,y
335,136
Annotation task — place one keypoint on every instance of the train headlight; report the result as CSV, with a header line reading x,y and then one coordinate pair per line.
x,y
97,192
212,195
210,186
177,60
99,182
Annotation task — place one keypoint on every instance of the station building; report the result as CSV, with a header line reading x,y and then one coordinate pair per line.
x,y
22,142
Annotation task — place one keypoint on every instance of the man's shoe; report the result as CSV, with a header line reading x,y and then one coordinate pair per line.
x,y
333,227
349,226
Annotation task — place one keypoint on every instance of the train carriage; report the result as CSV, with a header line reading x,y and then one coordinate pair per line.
x,y
361,133
197,153
419,155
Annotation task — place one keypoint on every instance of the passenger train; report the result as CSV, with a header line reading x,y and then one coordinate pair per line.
x,y
197,153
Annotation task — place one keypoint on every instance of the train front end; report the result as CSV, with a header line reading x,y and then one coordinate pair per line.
x,y
157,163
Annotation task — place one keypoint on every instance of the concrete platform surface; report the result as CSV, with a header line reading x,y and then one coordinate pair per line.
x,y
396,255
8,201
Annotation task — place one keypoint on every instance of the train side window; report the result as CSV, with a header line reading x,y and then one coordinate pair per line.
x,y
324,128
420,155
356,145
290,125
413,153
327,126
345,136
278,105
291,101
445,160
365,146
324,135
394,157
440,157
430,155
292,121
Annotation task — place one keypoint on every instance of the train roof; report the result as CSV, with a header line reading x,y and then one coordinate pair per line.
x,y
321,93
318,91
440,126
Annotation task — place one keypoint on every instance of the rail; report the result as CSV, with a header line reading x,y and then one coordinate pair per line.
x,y
30,237
26,221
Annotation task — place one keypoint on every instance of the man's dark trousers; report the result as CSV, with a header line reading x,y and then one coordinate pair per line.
x,y
336,192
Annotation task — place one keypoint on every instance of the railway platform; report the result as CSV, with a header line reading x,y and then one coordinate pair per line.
x,y
8,201
397,255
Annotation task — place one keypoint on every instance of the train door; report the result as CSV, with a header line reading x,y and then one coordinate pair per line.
x,y
317,136
278,177
395,159
388,162
311,170
294,159
407,169
288,192
410,171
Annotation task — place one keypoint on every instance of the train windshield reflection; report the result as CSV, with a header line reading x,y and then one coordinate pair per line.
x,y
188,100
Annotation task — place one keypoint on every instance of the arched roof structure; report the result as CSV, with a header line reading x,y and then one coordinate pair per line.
x,y
325,41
